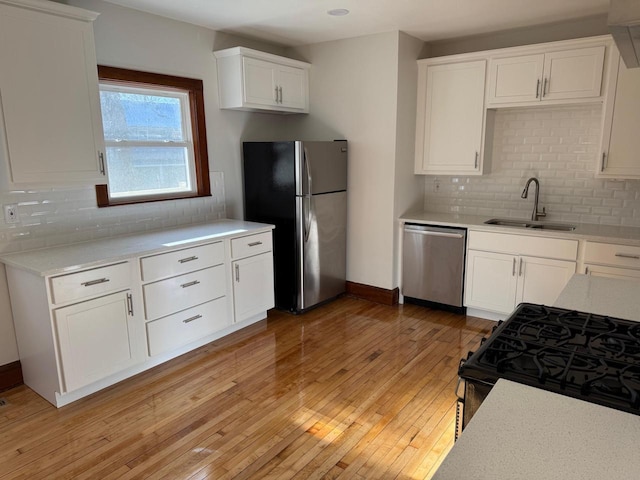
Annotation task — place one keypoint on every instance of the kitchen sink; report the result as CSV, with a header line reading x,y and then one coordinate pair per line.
x,y
514,222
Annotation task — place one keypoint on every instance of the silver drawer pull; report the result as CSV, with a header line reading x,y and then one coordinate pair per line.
x,y
190,284
628,255
189,320
94,282
188,259
255,244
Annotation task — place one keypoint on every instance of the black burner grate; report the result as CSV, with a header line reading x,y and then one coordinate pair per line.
x,y
587,356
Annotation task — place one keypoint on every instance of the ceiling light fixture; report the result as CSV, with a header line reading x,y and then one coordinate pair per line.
x,y
338,12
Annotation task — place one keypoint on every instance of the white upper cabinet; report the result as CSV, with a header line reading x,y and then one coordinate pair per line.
x,y
450,118
255,81
543,77
621,139
49,98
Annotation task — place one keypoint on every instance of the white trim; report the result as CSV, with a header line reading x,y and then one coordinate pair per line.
x,y
53,8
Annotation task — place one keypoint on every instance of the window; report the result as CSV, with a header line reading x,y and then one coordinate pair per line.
x,y
154,132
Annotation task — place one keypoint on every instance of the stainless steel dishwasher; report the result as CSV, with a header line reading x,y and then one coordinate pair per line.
x,y
433,263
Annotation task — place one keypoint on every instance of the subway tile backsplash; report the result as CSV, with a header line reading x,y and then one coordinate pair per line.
x,y
56,216
560,146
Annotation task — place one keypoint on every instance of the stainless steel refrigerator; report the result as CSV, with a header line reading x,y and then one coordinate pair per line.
x,y
301,188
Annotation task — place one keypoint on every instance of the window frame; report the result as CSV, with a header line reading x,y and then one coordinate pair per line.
x,y
194,89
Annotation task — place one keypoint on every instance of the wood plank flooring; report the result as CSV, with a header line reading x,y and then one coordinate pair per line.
x,y
351,390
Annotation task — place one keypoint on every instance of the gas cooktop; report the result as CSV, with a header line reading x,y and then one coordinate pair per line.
x,y
586,356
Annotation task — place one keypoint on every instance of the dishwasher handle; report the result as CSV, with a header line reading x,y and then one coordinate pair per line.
x,y
432,233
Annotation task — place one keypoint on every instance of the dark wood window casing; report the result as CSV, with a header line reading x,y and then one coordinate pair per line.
x,y
198,128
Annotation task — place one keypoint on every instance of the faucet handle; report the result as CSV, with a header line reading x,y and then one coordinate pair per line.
x,y
543,213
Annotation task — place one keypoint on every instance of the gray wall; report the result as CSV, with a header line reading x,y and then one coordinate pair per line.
x,y
584,27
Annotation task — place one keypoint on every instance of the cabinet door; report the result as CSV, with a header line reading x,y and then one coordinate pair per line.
x,y
260,82
490,281
515,79
612,272
293,82
252,285
621,142
540,280
573,73
49,97
95,339
450,119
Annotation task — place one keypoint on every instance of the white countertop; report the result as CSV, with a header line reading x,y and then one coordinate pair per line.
x,y
604,296
597,233
67,258
525,433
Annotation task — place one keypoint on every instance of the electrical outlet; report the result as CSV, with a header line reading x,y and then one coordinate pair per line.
x,y
11,213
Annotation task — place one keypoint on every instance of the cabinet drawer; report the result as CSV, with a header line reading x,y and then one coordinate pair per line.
x,y
181,261
251,245
179,329
612,254
524,245
76,286
178,293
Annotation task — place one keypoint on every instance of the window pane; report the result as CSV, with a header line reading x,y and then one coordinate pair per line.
x,y
138,117
147,170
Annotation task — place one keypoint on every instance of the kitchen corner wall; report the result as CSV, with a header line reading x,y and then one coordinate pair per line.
x,y
358,92
560,146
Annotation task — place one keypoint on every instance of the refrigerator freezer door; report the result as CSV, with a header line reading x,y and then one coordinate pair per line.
x,y
322,233
321,167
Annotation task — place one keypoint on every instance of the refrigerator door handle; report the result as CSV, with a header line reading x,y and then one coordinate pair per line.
x,y
307,213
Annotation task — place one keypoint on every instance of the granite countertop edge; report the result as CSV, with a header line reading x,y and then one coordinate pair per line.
x,y
73,257
585,231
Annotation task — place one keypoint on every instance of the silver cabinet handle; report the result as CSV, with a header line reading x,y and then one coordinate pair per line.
x,y
476,164
94,282
101,159
280,89
188,259
190,284
538,89
544,87
520,268
237,267
277,94
191,319
254,244
586,270
604,161
130,304
628,255
513,269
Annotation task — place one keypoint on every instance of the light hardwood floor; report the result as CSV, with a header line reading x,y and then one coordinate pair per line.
x,y
351,390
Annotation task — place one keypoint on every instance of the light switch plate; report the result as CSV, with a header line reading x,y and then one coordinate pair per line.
x,y
11,213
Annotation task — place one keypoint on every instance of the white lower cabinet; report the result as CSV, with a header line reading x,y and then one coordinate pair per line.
x,y
612,260
499,280
252,285
252,273
80,332
95,339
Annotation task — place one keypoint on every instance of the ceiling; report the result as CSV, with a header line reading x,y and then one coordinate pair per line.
x,y
301,22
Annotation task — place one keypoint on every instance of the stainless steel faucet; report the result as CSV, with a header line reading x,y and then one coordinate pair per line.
x,y
535,214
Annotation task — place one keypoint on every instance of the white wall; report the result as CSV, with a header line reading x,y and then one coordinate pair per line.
x,y
408,187
353,88
565,30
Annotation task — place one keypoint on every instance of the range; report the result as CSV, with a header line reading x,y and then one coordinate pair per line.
x,y
590,357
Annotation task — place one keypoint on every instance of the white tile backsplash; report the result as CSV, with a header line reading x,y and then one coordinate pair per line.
x,y
56,216
560,146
